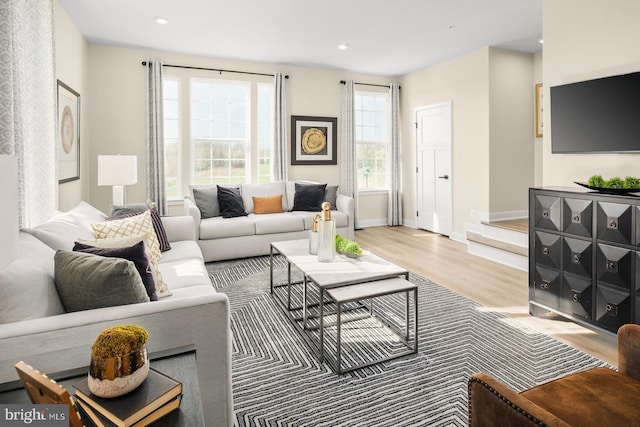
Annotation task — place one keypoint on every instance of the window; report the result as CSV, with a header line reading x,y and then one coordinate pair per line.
x,y
219,132
225,136
372,140
171,110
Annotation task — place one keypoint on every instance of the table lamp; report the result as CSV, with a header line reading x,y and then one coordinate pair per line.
x,y
117,171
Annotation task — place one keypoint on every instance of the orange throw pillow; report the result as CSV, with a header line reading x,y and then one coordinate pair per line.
x,y
267,205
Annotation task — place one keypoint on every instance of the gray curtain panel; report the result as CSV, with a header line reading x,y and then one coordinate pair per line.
x,y
394,214
28,97
279,159
348,161
155,138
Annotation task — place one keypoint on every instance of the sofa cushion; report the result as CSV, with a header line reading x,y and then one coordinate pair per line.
x,y
135,253
219,228
341,218
231,203
27,289
162,288
64,228
277,223
331,195
249,191
87,281
136,225
119,212
185,273
184,250
308,197
206,200
268,205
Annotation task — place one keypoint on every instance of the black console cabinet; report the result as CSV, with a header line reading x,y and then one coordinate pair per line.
x,y
584,256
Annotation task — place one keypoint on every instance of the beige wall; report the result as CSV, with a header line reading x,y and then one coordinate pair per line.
x,y
511,152
72,69
586,40
537,142
117,107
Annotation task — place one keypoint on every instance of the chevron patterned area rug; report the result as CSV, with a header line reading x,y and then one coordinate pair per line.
x,y
278,380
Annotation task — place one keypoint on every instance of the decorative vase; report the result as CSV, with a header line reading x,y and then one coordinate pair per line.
x,y
326,235
118,375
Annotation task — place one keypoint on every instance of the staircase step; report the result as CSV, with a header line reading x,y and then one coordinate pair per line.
x,y
498,244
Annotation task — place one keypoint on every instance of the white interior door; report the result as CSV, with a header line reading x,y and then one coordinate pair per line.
x,y
433,168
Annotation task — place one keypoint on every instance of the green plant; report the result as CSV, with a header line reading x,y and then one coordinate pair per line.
x,y
119,341
596,181
631,182
346,245
615,182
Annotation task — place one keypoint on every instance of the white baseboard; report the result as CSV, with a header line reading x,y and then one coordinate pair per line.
x,y
372,223
411,223
496,255
459,237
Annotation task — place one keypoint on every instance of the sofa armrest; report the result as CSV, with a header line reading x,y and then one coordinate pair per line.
x,y
493,404
346,204
192,210
179,228
629,350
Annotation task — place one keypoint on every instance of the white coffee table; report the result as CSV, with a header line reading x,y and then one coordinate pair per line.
x,y
343,271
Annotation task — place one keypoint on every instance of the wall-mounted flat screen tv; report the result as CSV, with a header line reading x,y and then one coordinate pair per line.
x,y
596,116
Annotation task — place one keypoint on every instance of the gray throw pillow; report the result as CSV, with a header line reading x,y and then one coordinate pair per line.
x,y
308,197
331,195
85,281
207,201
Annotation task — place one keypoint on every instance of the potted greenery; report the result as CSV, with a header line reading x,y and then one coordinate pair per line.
x,y
119,360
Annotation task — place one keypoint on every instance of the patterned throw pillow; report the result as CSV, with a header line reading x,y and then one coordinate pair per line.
x,y
266,205
119,212
136,225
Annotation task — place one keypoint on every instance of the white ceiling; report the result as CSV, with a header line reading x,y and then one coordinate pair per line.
x,y
384,37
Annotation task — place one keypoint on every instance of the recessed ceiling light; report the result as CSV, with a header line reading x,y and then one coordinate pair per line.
x,y
160,20
343,46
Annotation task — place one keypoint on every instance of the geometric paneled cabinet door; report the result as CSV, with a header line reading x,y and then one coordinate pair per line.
x,y
584,256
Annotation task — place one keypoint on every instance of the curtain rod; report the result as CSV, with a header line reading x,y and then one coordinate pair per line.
x,y
365,84
220,70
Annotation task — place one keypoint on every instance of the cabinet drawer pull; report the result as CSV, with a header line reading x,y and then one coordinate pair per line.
x,y
544,286
545,251
611,309
576,259
576,219
611,265
545,214
613,224
575,298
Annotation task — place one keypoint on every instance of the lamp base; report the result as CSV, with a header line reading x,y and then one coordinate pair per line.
x,y
118,195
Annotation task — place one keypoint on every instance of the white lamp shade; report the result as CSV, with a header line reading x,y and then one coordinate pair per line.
x,y
117,170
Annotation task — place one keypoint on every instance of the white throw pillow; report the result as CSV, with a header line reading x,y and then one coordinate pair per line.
x,y
139,225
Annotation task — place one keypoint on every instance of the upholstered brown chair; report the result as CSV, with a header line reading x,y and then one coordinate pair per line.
x,y
595,397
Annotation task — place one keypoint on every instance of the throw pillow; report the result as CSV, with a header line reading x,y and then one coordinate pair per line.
x,y
207,201
139,224
308,197
162,289
127,212
230,201
266,205
87,281
331,195
135,253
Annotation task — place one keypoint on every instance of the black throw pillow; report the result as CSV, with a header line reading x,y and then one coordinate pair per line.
x,y
230,201
135,253
308,197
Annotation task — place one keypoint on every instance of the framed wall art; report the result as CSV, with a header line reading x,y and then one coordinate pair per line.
x,y
314,140
68,134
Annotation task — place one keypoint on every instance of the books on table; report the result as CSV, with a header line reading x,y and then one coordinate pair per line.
x,y
157,396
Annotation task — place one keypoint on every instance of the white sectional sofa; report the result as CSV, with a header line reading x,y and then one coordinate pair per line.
x,y
245,236
35,328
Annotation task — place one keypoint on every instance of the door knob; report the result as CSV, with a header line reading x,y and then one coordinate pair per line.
x,y
444,177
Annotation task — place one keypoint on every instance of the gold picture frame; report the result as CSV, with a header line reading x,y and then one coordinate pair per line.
x,y
538,97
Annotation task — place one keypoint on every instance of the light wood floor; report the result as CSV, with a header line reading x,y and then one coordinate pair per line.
x,y
493,285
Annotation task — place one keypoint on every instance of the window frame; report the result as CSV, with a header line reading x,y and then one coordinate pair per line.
x,y
387,143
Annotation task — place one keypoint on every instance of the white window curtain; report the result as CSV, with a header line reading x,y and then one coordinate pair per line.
x,y
28,97
155,138
279,161
394,214
348,166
